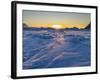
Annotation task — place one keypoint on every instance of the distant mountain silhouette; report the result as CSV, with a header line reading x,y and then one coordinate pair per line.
x,y
74,28
25,26
88,26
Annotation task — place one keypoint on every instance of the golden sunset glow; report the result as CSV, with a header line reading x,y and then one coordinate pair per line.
x,y
57,26
55,20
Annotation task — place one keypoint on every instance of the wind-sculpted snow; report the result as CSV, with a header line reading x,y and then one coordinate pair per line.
x,y
56,48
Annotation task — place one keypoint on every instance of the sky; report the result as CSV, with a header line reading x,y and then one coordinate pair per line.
x,y
50,18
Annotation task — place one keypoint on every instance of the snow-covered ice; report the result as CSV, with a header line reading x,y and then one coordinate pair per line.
x,y
56,48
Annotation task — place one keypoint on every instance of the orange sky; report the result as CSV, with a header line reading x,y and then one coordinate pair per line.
x,y
48,19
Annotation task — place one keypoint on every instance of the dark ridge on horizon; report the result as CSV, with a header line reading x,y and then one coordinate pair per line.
x,y
88,26
25,26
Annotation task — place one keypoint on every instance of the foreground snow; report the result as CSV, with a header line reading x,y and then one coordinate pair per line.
x,y
56,48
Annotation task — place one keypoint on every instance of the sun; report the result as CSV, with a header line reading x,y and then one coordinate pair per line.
x,y
57,26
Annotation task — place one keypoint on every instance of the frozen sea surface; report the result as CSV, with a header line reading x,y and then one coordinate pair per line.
x,y
46,48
